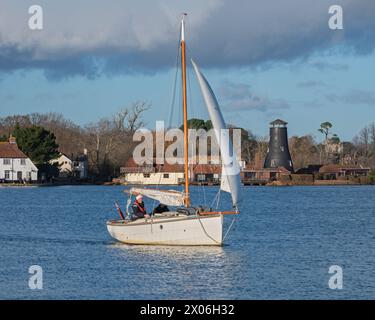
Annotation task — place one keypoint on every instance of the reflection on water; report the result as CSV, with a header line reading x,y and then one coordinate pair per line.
x,y
176,254
280,247
170,252
190,269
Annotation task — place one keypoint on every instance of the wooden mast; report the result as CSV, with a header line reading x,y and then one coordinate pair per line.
x,y
184,105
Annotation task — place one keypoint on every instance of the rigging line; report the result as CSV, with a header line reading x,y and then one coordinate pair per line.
x,y
173,98
192,108
218,199
179,125
214,199
226,233
156,186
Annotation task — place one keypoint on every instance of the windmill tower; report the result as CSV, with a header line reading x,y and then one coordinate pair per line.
x,y
278,154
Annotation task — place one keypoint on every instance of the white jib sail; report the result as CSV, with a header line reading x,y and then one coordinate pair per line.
x,y
230,175
167,197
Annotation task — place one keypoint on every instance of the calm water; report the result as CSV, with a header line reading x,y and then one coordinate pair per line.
x,y
281,247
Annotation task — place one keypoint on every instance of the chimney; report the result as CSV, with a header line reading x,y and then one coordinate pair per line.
x,y
12,140
278,154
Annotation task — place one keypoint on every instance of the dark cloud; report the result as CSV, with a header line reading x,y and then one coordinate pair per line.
x,y
240,97
323,66
97,37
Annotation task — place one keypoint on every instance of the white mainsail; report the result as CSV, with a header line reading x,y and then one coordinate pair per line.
x,y
167,197
230,178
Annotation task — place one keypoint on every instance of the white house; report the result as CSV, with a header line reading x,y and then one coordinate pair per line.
x,y
152,175
154,178
76,168
143,175
64,164
14,164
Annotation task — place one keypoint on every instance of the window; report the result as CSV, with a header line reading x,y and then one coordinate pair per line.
x,y
6,161
19,175
250,175
7,174
166,175
23,162
201,177
146,175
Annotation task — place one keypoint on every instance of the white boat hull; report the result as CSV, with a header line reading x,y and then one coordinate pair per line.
x,y
175,230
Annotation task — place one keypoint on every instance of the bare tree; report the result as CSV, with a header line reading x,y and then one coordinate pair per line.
x,y
109,141
134,119
364,138
303,150
249,146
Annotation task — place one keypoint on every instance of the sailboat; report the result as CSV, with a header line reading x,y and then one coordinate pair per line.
x,y
192,225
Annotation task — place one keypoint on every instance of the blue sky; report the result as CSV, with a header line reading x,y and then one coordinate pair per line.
x,y
285,64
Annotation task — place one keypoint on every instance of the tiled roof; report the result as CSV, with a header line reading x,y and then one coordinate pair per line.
x,y
10,150
279,122
334,168
207,169
170,168
131,163
250,168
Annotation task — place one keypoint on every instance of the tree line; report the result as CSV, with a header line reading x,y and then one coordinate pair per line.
x,y
109,141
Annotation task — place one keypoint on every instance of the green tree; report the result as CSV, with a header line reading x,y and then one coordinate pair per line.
x,y
197,124
325,128
37,143
3,138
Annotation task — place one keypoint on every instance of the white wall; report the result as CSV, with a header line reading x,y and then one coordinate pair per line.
x,y
28,169
155,178
64,163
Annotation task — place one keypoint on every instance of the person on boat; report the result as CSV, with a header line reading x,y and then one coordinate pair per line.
x,y
138,207
161,207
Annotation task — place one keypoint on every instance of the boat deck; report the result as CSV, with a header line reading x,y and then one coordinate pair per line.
x,y
158,218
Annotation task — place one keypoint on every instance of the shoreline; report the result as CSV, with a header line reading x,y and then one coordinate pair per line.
x,y
269,184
